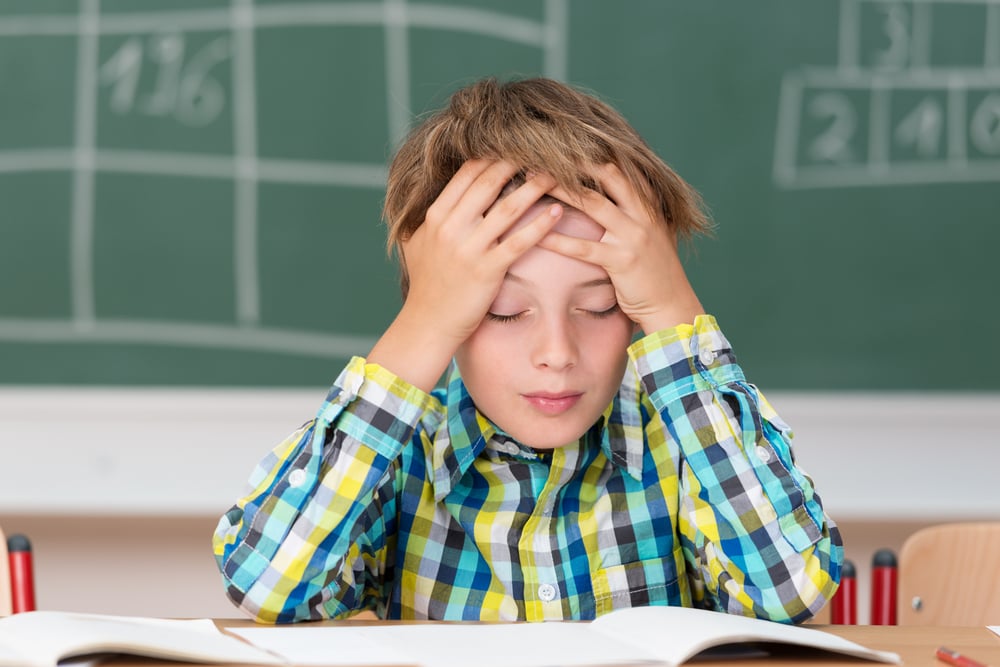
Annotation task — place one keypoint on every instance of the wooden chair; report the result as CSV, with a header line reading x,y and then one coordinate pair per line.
x,y
950,575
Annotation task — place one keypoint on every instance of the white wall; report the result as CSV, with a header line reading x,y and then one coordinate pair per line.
x,y
120,489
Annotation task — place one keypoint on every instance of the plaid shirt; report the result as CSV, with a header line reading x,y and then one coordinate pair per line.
x,y
683,493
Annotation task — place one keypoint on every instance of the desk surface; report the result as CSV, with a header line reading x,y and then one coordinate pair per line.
x,y
915,644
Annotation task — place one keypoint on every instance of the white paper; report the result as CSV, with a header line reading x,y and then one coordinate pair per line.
x,y
42,638
675,634
994,628
305,646
665,635
447,645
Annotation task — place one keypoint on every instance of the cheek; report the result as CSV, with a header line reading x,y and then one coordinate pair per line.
x,y
607,342
482,354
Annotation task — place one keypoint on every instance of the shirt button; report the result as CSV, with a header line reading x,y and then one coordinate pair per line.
x,y
707,356
763,454
297,478
547,592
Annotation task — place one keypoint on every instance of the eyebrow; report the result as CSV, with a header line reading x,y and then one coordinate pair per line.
x,y
597,282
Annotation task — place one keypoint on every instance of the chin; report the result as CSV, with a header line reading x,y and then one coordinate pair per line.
x,y
553,438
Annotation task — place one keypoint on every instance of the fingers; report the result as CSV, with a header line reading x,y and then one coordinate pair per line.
x,y
598,207
467,210
506,212
593,252
472,189
528,236
619,189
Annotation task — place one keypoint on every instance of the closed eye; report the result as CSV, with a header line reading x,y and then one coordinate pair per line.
x,y
600,314
496,317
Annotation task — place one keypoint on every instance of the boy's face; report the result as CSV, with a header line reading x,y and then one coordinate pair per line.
x,y
549,357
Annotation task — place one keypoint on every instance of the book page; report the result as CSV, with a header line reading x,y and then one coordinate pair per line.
x,y
675,634
447,645
644,635
42,638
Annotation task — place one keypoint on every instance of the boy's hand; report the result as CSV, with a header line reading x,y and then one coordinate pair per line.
x,y
456,262
639,253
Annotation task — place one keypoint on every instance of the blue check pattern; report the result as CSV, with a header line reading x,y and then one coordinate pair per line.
x,y
685,492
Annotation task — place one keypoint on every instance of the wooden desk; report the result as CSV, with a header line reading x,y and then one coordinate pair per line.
x,y
915,644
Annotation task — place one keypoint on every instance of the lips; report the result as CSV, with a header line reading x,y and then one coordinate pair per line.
x,y
552,403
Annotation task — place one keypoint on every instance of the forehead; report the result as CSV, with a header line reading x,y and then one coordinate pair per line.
x,y
573,222
550,270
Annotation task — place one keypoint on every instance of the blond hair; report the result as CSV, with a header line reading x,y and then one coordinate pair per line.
x,y
540,125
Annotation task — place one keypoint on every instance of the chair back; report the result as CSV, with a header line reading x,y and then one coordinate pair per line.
x,y
949,574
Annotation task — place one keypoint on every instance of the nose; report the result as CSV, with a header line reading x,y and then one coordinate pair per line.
x,y
554,345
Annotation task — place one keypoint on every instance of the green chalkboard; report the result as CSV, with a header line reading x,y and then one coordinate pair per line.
x,y
190,190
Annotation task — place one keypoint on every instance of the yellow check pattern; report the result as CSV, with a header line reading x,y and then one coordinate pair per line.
x,y
685,492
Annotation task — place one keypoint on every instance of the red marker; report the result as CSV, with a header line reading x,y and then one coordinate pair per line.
x,y
956,658
22,577
883,588
844,605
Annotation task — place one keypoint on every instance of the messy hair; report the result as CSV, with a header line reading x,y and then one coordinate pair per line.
x,y
539,125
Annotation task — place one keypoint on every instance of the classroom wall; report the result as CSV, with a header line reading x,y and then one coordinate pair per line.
x,y
162,566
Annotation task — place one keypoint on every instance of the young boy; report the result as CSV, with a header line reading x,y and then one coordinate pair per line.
x,y
562,472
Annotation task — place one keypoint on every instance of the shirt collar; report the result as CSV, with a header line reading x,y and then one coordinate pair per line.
x,y
623,438
468,431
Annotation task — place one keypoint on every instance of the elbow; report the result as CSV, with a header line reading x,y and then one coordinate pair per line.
x,y
268,612
804,589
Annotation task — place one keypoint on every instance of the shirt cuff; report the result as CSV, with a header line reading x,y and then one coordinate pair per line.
x,y
673,363
375,406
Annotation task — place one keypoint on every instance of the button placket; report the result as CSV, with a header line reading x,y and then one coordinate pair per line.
x,y
547,592
296,478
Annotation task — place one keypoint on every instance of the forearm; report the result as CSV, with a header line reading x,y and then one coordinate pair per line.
x,y
750,520
747,563
414,349
320,506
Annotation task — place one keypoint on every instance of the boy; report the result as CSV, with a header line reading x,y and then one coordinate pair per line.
x,y
562,472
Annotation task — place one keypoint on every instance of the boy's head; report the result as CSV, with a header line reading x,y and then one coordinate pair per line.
x,y
543,126
549,356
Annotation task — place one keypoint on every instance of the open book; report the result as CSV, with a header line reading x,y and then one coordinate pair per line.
x,y
43,638
642,636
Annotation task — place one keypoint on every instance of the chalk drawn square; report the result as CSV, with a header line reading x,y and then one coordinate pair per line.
x,y
958,35
163,248
165,89
918,125
312,249
315,102
834,126
34,245
36,91
444,60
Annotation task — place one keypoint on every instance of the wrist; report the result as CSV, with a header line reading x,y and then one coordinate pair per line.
x,y
414,349
682,310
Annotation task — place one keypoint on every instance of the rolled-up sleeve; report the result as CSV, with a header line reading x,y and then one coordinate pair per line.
x,y
312,535
754,531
